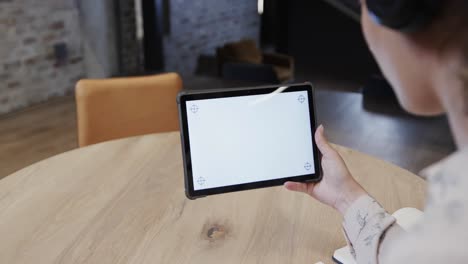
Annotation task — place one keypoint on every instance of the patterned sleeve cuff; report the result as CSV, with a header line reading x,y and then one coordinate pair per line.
x,y
364,224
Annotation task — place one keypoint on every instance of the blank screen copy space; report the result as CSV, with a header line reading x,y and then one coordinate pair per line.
x,y
239,140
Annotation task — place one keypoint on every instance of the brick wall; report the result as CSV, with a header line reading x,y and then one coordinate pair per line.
x,y
29,30
199,26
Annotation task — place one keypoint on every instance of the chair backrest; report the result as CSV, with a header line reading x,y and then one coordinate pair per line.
x,y
123,107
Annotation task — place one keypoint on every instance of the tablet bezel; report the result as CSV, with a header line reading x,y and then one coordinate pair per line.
x,y
185,96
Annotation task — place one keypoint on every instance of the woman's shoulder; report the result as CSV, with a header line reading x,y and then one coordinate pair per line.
x,y
448,179
447,197
442,234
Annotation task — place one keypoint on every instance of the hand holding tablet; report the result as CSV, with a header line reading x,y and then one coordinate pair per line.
x,y
240,139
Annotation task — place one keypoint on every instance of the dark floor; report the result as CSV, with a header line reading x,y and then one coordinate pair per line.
x,y
410,142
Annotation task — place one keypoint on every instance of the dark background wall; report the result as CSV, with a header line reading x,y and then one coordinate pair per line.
x,y
323,40
198,27
128,46
29,70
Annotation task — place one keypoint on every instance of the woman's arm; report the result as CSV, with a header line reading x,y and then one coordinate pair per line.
x,y
365,221
337,188
369,229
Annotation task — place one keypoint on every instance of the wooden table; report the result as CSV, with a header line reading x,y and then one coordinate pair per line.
x,y
124,202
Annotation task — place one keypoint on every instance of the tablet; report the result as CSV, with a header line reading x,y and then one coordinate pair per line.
x,y
247,138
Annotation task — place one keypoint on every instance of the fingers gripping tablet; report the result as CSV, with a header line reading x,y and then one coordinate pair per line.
x,y
247,138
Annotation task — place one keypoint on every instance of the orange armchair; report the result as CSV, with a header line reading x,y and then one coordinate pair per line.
x,y
123,107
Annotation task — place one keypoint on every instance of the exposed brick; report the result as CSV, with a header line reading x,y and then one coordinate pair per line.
x,y
26,25
58,25
49,38
49,57
17,12
42,67
29,41
4,77
76,60
7,21
201,26
31,61
12,66
70,90
13,85
75,79
21,29
53,75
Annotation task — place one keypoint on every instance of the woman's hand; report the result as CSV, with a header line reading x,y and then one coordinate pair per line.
x,y
338,188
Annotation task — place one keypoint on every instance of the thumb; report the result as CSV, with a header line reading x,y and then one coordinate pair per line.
x,y
322,142
298,186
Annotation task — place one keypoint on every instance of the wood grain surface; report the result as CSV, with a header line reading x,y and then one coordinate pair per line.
x,y
37,133
123,202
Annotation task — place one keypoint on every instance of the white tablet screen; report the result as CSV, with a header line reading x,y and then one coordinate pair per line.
x,y
247,139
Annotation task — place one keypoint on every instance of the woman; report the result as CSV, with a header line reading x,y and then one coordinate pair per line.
x,y
429,72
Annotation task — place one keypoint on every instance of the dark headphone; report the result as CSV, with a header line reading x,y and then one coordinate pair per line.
x,y
404,15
